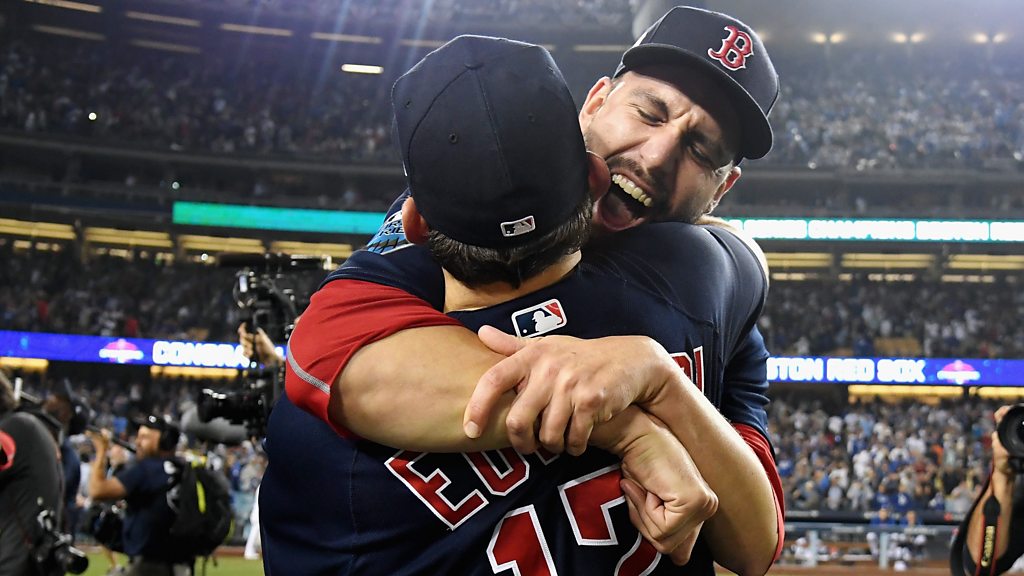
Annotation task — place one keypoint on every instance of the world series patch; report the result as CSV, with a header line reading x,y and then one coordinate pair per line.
x,y
390,236
539,319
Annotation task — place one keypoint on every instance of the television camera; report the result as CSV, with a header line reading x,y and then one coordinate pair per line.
x,y
263,290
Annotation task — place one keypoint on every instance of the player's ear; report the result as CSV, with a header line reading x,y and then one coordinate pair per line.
x,y
595,99
599,177
726,185
416,228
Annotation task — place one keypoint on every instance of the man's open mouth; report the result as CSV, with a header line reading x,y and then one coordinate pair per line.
x,y
624,206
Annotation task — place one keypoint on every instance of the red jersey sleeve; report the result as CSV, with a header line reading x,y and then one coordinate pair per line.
x,y
7,449
342,317
759,444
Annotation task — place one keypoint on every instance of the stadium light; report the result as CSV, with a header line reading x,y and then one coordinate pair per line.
x,y
36,229
918,37
819,38
837,38
355,38
80,6
999,38
173,20
362,69
245,29
900,38
980,38
69,32
165,46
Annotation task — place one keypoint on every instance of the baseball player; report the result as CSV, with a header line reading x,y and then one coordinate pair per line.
x,y
694,90
370,548
685,90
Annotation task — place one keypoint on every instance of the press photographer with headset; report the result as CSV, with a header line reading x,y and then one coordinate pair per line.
x,y
144,486
991,538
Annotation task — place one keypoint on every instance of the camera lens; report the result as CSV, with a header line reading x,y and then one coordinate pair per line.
x,y
1011,431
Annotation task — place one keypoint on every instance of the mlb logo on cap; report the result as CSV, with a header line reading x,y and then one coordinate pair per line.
x,y
517,227
539,319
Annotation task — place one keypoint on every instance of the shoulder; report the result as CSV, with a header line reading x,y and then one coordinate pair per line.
x,y
26,427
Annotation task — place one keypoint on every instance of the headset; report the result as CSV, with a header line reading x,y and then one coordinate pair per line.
x,y
169,438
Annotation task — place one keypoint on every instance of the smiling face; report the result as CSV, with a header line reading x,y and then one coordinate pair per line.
x,y
670,137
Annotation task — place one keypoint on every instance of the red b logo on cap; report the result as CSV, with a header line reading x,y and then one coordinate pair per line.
x,y
736,48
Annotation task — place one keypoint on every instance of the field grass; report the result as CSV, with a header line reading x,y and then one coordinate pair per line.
x,y
226,566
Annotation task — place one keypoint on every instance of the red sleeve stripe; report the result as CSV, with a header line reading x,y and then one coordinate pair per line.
x,y
759,444
8,447
342,317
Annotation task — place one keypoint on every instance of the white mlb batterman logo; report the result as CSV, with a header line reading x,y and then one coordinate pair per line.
x,y
539,319
517,227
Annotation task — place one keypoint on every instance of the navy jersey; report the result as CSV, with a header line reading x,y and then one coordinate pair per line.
x,y
148,518
355,507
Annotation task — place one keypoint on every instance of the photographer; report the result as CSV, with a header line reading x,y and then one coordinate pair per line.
x,y
30,481
995,525
144,485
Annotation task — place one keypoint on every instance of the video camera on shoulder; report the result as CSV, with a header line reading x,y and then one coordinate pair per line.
x,y
264,289
1011,435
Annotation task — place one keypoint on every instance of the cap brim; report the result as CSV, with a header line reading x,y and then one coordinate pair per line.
x,y
757,132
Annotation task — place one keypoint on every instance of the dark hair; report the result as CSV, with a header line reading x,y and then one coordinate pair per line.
x,y
476,266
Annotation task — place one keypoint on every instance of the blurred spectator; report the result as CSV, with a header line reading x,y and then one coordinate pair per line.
x,y
899,459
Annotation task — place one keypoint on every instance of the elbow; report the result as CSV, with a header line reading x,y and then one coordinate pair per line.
x,y
99,492
756,559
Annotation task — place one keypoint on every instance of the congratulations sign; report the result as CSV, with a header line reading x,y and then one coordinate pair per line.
x,y
110,350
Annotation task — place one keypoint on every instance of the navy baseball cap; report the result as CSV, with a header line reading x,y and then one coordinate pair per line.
x,y
728,49
154,422
490,141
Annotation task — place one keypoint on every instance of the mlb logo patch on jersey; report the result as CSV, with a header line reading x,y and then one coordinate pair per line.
x,y
539,319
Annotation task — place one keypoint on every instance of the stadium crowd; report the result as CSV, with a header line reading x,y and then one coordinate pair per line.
x,y
42,291
870,110
870,456
561,13
973,320
110,296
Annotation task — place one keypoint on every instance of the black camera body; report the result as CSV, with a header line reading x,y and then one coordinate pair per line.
x,y
53,553
261,290
1011,435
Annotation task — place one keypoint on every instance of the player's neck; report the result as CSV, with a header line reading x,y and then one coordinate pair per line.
x,y
458,296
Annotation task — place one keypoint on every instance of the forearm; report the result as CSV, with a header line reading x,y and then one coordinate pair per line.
x,y
1001,487
743,534
418,404
98,474
624,430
